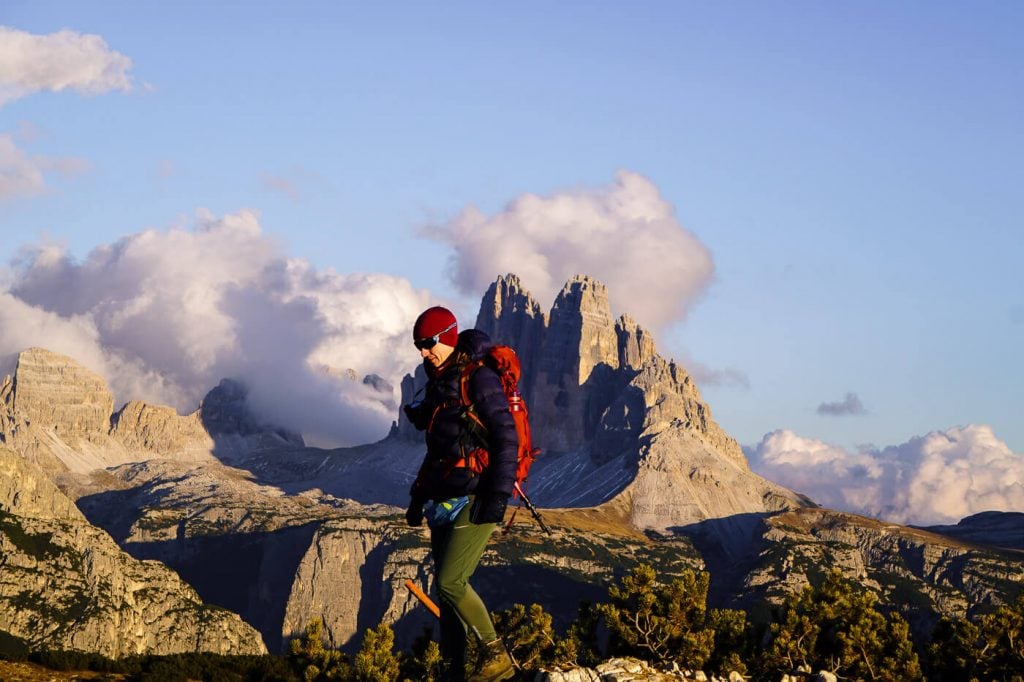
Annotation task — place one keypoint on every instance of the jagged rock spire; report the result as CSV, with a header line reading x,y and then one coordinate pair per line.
x,y
506,303
626,424
510,315
582,332
636,345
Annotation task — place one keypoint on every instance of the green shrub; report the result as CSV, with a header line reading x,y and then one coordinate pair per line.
x,y
662,623
579,646
990,649
836,627
376,660
424,662
313,661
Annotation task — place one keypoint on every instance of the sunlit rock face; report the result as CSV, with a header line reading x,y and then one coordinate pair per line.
x,y
280,533
65,584
60,415
619,421
56,393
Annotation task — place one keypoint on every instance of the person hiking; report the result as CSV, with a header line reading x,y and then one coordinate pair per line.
x,y
462,508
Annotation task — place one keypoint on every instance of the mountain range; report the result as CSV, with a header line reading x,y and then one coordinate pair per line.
x,y
144,530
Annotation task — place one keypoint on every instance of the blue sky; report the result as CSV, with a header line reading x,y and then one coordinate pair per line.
x,y
853,168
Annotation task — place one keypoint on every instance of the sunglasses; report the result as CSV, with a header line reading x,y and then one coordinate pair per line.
x,y
431,341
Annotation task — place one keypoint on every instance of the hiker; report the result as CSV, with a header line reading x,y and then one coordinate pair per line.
x,y
462,508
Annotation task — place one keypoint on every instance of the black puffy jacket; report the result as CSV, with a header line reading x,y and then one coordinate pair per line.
x,y
441,415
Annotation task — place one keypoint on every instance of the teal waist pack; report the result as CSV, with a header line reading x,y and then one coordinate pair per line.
x,y
445,511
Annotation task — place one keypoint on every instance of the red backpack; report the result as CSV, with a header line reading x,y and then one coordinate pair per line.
x,y
504,361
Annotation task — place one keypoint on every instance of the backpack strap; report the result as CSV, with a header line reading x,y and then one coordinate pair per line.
x,y
467,372
474,438
473,421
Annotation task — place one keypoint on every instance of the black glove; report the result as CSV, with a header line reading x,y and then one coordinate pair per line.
x,y
488,508
414,514
414,413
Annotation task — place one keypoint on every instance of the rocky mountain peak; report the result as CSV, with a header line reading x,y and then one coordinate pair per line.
x,y
585,295
624,424
636,344
507,301
225,412
509,314
54,392
581,332
224,409
162,431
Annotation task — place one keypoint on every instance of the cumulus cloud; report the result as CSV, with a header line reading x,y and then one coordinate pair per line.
x,y
934,479
850,405
625,235
165,314
65,60
22,175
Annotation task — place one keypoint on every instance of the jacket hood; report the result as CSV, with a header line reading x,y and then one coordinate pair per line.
x,y
474,342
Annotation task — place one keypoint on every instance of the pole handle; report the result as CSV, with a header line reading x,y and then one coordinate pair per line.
x,y
424,599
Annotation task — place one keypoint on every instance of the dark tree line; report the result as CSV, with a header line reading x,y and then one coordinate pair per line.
x,y
835,626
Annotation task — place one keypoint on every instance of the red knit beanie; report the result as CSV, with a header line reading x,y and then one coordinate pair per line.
x,y
434,321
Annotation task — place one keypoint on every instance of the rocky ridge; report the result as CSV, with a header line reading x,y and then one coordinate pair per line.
x,y
999,529
64,584
296,557
60,416
292,557
635,464
917,572
621,424
60,394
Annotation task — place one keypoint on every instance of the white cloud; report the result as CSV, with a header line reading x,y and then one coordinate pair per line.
x,y
938,478
625,235
59,61
23,176
165,314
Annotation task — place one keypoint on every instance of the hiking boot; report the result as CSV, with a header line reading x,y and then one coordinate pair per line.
x,y
496,664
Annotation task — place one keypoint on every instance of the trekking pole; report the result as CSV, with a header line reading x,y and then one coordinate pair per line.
x,y
531,508
424,599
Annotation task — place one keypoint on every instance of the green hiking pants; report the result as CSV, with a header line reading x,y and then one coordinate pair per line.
x,y
456,548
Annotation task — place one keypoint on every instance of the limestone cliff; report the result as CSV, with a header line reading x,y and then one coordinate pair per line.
x,y
634,461
353,576
56,413
64,584
619,423
508,311
25,492
59,415
912,570
162,431
56,393
576,373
